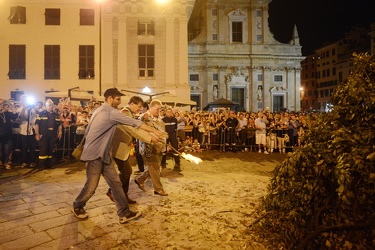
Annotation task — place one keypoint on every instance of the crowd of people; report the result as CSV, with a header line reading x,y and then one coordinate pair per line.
x,y
44,131
222,129
227,130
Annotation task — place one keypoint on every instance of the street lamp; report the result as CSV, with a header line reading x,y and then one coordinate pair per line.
x,y
301,97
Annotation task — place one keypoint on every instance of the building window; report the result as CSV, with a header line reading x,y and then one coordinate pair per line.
x,y
237,32
146,57
215,77
260,77
52,17
86,61
87,16
214,12
334,71
277,78
51,61
214,37
17,62
194,77
259,38
17,15
146,28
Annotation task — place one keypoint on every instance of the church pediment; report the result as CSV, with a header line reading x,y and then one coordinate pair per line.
x,y
237,77
278,89
237,12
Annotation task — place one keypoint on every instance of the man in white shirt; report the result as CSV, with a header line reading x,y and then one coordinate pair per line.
x,y
261,132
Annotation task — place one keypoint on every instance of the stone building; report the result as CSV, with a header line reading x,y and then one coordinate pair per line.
x,y
331,65
58,45
233,55
93,45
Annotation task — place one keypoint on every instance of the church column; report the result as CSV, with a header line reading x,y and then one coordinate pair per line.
x,y
182,58
291,87
107,53
222,30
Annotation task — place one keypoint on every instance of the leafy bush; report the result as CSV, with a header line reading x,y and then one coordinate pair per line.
x,y
322,195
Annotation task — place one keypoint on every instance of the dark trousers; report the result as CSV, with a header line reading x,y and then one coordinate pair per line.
x,y
139,158
172,139
5,149
28,147
46,145
125,173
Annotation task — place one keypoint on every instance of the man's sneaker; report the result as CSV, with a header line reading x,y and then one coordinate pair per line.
x,y
131,216
266,152
79,212
260,151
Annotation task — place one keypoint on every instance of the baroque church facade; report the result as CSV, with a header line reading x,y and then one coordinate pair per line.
x,y
233,55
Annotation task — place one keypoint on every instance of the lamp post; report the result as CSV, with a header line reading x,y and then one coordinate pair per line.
x,y
301,97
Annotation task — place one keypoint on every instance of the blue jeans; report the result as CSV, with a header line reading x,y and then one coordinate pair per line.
x,y
5,149
93,171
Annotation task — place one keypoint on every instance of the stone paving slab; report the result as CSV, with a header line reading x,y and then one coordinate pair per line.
x,y
35,205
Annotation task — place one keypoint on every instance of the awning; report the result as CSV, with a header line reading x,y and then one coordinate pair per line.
x,y
75,95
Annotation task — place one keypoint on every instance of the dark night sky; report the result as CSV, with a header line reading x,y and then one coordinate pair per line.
x,y
318,21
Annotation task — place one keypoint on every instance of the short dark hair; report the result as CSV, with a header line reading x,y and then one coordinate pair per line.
x,y
136,100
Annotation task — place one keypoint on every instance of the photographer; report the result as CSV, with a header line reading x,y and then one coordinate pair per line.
x,y
6,117
26,117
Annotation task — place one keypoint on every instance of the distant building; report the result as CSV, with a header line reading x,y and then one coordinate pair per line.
x,y
372,38
335,63
202,50
308,83
233,55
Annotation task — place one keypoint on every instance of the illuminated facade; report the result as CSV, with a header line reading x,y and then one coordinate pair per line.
x,y
94,45
233,55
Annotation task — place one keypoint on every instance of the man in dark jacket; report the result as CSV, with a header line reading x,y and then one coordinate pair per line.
x,y
171,128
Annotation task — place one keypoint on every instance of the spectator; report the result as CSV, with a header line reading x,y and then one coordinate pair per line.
x,y
196,146
261,131
27,115
6,117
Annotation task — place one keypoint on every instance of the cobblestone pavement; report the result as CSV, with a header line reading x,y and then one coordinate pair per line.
x,y
35,205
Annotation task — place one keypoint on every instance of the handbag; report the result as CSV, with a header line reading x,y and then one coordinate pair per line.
x,y
77,152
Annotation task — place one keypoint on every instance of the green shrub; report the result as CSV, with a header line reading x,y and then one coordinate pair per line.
x,y
322,195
